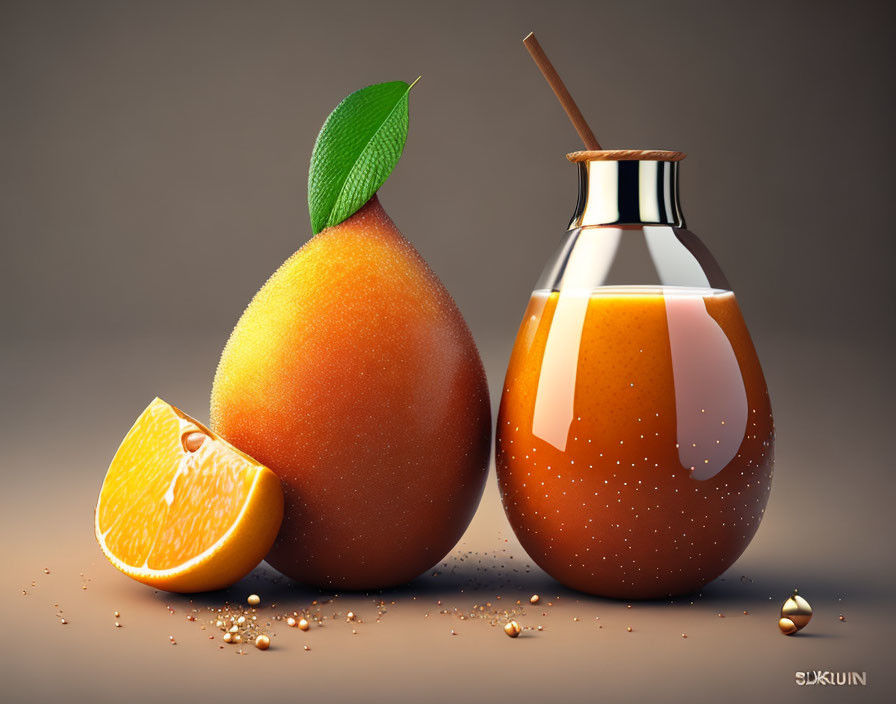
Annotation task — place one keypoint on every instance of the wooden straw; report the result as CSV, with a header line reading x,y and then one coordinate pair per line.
x,y
556,83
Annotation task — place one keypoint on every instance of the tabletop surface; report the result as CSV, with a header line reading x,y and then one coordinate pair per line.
x,y
440,637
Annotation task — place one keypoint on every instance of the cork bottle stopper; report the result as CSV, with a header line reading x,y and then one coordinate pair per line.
x,y
625,155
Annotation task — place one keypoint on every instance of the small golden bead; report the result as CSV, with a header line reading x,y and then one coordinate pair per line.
x,y
797,610
262,642
512,628
788,627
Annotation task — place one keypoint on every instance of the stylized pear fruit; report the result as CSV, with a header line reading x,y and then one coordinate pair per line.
x,y
354,377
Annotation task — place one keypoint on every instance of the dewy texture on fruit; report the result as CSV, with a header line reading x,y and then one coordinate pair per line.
x,y
354,377
182,510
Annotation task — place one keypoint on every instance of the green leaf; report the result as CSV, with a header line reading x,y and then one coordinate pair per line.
x,y
356,150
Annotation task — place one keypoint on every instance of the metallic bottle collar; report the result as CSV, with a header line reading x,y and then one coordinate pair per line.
x,y
627,193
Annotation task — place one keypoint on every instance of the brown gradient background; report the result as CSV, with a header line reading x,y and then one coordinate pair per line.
x,y
153,163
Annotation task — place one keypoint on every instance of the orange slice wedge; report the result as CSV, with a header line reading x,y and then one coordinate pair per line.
x,y
183,510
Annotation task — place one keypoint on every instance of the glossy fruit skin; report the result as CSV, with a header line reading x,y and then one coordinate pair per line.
x,y
354,377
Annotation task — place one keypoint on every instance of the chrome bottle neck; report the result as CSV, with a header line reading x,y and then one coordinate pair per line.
x,y
635,192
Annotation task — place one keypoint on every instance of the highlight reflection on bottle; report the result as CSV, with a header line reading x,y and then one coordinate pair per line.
x,y
635,438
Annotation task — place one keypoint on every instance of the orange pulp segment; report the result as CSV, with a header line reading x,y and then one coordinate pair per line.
x,y
183,510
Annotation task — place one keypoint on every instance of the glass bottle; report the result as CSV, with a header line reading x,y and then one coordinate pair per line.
x,y
635,439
